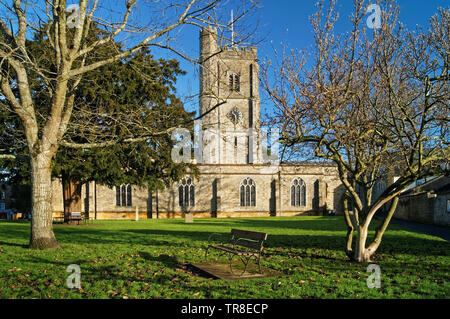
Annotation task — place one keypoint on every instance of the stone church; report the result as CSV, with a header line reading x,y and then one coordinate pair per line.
x,y
237,176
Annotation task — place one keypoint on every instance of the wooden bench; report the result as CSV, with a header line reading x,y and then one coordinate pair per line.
x,y
244,244
58,217
75,216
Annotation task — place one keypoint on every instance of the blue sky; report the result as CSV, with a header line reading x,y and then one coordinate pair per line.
x,y
286,22
281,22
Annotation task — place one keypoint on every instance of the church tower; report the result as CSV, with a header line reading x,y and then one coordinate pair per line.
x,y
229,94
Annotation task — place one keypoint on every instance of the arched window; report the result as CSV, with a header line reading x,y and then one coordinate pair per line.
x,y
248,192
234,82
124,195
298,192
186,193
129,193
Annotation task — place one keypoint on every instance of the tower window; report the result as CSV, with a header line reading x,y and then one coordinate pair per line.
x,y
251,80
234,82
250,113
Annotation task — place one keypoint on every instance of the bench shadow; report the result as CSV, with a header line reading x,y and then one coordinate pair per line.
x,y
172,262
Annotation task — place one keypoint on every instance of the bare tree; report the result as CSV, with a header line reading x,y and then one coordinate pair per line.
x,y
375,102
66,28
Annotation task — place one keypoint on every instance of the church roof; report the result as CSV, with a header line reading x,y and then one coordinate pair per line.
x,y
309,163
438,185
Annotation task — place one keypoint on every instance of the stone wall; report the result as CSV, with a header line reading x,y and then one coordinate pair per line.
x,y
217,194
416,208
441,210
101,199
422,208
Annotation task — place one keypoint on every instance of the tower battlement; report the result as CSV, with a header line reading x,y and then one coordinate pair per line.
x,y
235,48
209,46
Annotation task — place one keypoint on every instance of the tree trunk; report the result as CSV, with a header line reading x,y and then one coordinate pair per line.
x,y
350,227
42,236
382,228
361,253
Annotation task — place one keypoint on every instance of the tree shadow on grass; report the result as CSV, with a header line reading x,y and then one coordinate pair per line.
x,y
17,233
40,260
302,222
4,243
315,235
91,273
392,242
168,261
119,236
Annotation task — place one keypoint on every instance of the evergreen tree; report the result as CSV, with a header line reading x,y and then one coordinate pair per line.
x,y
116,101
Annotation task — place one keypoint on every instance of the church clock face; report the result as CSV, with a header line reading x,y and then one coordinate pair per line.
x,y
235,115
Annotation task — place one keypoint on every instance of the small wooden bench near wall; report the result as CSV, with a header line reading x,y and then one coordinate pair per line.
x,y
75,216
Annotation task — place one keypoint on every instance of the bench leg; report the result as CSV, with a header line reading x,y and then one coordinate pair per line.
x,y
259,264
244,261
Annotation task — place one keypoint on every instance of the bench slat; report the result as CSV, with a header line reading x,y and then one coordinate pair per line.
x,y
231,250
249,234
245,243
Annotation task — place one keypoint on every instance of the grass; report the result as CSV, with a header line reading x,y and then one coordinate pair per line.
x,y
129,259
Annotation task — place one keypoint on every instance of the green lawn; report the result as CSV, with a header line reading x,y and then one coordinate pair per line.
x,y
129,259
